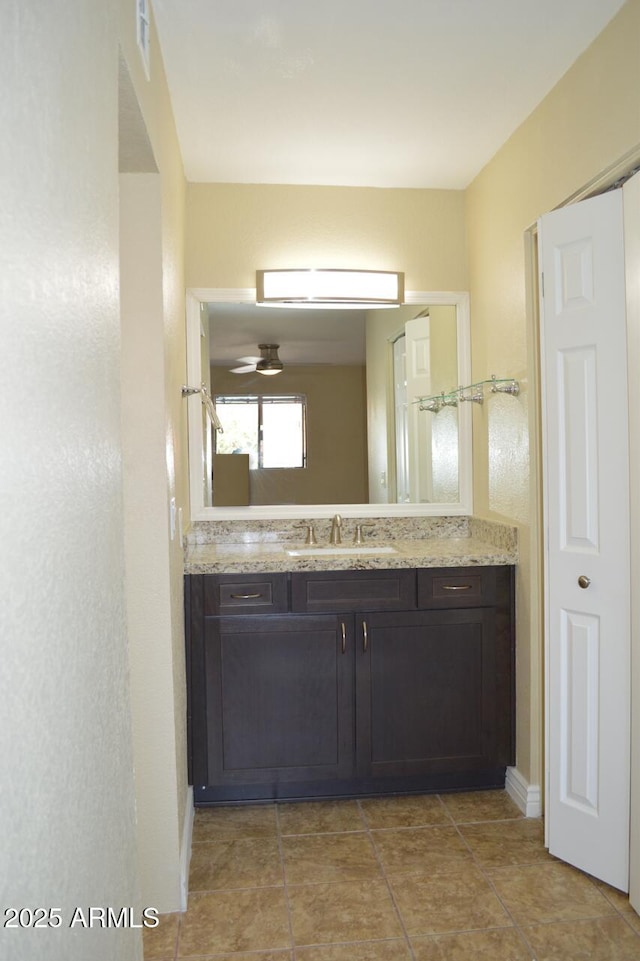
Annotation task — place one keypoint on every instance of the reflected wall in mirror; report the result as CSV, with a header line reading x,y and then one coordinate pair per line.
x,y
338,427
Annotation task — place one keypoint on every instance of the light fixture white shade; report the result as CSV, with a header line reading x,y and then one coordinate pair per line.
x,y
327,288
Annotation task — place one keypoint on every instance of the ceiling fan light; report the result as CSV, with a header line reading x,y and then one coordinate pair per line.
x,y
269,370
327,288
270,362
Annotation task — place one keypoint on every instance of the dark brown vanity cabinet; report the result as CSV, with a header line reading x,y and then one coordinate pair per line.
x,y
349,682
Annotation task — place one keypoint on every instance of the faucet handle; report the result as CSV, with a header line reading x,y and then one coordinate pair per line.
x,y
311,533
359,536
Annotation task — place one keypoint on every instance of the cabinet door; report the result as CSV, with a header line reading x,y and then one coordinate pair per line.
x,y
429,685
279,699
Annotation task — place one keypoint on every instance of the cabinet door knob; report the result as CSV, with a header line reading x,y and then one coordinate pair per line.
x,y
584,581
365,637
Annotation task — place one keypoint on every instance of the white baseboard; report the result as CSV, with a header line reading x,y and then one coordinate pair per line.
x,y
527,796
185,849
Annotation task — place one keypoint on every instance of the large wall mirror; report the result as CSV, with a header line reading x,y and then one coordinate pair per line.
x,y
339,428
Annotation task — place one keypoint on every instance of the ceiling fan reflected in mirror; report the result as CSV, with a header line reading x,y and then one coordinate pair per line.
x,y
267,363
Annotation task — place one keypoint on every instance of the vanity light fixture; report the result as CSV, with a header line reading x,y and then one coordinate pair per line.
x,y
338,289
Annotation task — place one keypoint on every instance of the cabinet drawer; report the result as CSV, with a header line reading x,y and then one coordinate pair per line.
x,y
336,591
441,587
245,594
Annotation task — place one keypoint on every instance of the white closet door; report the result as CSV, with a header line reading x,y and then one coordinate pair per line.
x,y
586,491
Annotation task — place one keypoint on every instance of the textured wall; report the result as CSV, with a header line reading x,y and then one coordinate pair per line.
x,y
156,472
235,229
66,780
588,121
148,594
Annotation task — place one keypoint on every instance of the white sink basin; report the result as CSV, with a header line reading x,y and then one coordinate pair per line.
x,y
340,551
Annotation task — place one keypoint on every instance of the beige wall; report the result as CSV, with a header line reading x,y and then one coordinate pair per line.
x,y
588,121
336,471
146,544
66,791
235,229
154,429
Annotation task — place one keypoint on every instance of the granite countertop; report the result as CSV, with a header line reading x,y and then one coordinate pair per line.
x,y
239,558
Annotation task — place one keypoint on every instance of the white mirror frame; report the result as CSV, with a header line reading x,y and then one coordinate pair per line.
x,y
199,512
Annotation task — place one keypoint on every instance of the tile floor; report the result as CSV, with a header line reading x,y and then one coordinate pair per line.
x,y
453,877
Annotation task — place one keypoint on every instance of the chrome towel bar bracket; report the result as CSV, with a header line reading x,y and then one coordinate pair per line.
x,y
207,401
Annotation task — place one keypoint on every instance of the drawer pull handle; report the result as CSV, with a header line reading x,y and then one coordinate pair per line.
x,y
344,637
245,597
458,587
365,637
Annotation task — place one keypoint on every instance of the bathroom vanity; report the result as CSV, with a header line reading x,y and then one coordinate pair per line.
x,y
381,674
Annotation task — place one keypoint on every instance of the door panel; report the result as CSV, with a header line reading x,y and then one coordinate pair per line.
x,y
579,710
578,449
586,493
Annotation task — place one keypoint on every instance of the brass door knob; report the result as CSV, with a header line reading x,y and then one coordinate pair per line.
x,y
584,581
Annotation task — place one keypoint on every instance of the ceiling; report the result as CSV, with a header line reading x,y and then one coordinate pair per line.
x,y
304,336
410,93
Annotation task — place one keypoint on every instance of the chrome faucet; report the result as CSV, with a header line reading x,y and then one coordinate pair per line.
x,y
336,536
